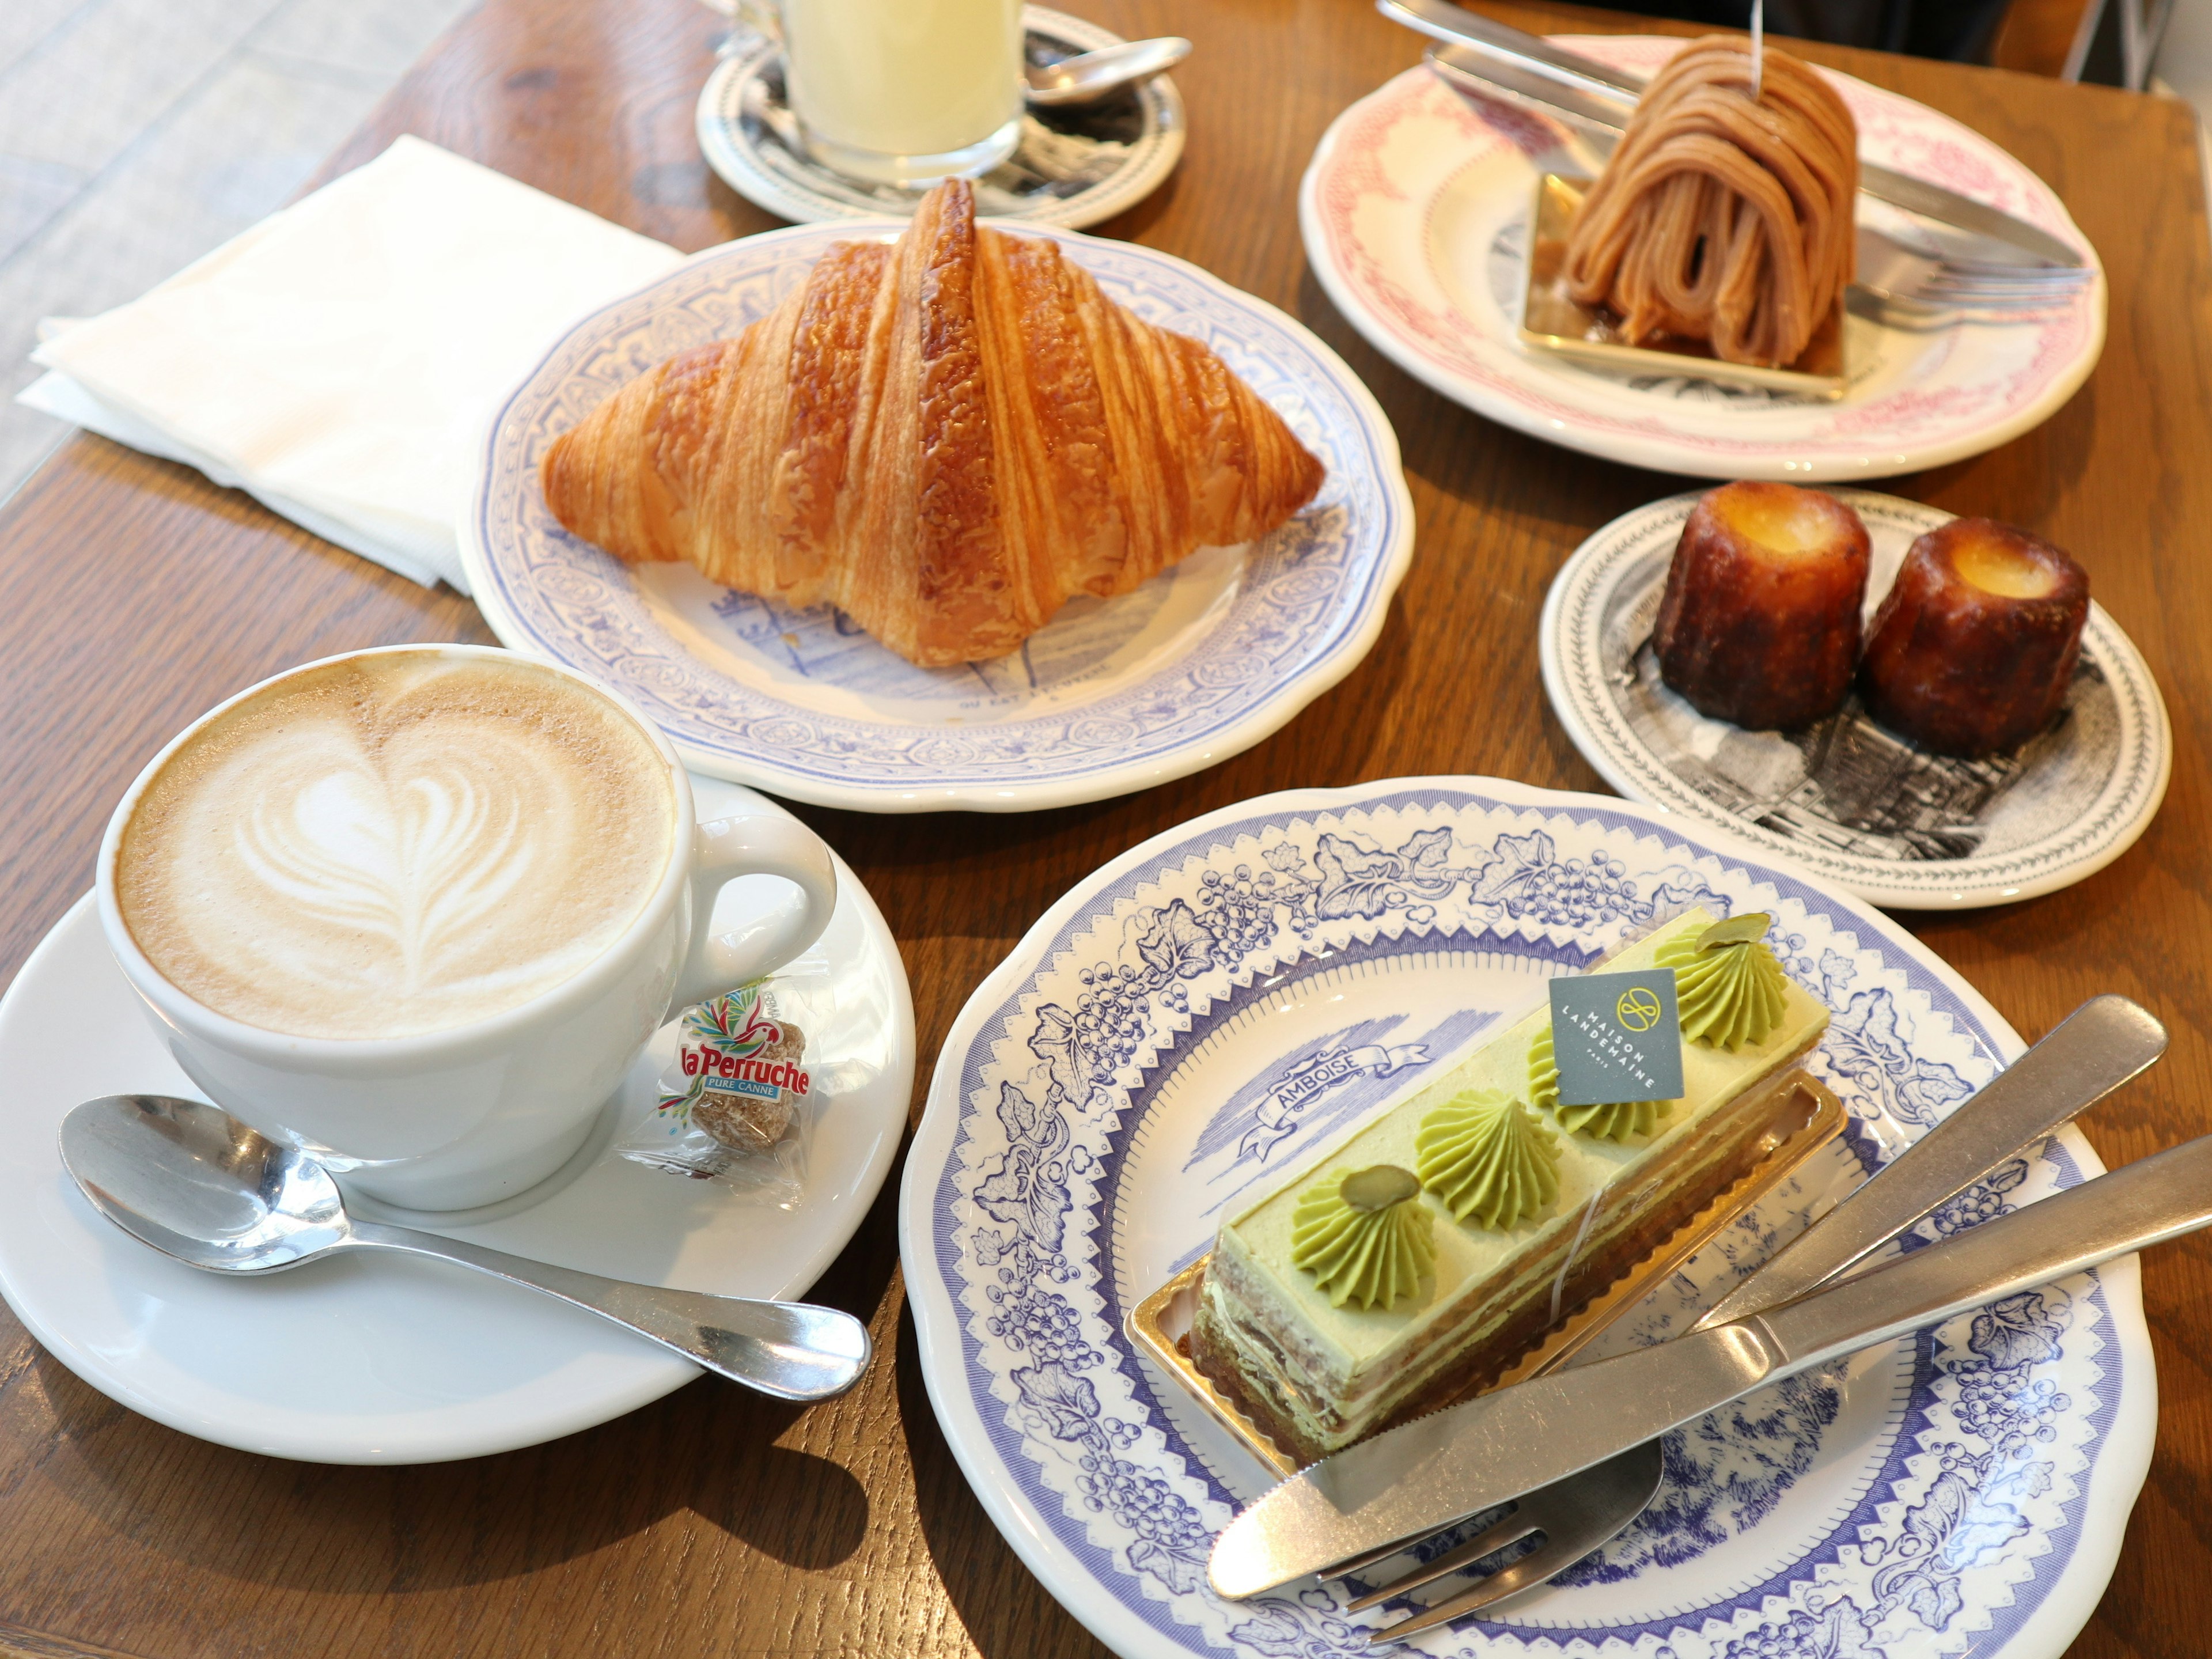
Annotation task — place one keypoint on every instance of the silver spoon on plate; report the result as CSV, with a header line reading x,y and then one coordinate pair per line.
x,y
1089,76
193,1182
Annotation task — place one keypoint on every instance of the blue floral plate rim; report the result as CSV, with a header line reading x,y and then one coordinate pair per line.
x,y
1113,1592
1309,603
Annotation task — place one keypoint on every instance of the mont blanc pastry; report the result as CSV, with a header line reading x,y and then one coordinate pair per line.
x,y
1726,215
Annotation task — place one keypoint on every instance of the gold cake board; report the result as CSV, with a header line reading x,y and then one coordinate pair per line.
x,y
1806,1117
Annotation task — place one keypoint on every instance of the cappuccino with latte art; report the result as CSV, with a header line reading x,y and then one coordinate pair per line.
x,y
395,844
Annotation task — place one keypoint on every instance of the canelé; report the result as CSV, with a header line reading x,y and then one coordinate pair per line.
x,y
1974,646
1759,622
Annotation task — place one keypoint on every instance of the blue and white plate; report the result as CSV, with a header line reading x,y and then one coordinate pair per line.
x,y
1114,695
1149,1052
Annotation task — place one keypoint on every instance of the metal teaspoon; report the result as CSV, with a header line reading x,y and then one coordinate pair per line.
x,y
192,1181
1089,76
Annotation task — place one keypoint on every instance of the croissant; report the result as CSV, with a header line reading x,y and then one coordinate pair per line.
x,y
947,437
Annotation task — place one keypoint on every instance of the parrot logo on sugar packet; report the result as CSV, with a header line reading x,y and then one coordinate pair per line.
x,y
732,1045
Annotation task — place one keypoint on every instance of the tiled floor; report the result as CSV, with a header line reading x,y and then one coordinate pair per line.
x,y
136,135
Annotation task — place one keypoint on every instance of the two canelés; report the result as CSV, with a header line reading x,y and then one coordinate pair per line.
x,y
1971,652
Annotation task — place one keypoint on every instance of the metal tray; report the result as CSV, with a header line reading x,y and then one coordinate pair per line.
x,y
1551,320
1805,1117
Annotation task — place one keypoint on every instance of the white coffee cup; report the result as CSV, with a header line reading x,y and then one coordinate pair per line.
x,y
474,1112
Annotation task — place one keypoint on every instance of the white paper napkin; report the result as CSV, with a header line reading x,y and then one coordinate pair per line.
x,y
338,361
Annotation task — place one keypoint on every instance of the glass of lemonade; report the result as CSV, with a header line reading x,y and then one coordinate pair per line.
x,y
905,92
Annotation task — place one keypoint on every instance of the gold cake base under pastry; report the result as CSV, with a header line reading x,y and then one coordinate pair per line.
x,y
1552,321
1805,1117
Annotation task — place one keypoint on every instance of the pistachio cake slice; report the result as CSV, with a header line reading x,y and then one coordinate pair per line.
x,y
1320,1344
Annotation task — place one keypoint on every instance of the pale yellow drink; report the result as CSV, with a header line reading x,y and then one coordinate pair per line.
x,y
903,91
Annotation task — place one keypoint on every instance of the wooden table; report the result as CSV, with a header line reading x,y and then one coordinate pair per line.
x,y
133,594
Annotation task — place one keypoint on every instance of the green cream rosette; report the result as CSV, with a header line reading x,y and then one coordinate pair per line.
x,y
1727,982
1616,1120
1365,1237
1488,1158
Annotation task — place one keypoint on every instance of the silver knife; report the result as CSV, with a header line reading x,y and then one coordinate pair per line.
x,y
1601,120
2106,1043
1413,1479
1593,85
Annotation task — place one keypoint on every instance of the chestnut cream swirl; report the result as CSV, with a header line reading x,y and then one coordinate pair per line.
x,y
1722,218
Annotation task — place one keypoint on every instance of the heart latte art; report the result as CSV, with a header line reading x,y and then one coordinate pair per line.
x,y
395,845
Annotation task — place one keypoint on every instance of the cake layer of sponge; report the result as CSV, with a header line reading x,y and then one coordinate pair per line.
x,y
1320,1376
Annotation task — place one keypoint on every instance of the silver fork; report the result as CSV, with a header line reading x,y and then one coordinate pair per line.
x,y
1917,284
1905,284
2105,1044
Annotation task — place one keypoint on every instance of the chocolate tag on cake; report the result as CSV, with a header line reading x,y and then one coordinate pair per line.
x,y
1617,1037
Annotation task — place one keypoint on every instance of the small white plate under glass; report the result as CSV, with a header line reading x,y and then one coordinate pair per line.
x,y
1198,663
397,1360
1073,167
1845,797
1415,211
1150,1050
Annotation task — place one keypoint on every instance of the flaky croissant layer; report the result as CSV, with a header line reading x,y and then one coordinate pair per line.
x,y
947,437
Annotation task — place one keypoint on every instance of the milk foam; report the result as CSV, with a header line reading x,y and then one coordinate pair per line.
x,y
395,845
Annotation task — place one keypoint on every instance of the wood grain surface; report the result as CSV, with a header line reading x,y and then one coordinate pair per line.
x,y
135,594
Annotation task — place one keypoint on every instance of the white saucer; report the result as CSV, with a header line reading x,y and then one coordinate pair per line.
x,y
1073,166
1845,799
396,1361
1415,214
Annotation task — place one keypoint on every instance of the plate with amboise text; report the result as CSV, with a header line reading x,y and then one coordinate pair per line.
x,y
1846,798
1195,1021
1112,694
1416,210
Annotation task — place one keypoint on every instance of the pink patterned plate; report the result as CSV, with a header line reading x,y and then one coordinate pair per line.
x,y
1415,213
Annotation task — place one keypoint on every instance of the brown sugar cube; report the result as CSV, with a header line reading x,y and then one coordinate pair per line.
x,y
1974,648
744,1123
1759,622
753,1123
790,1042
